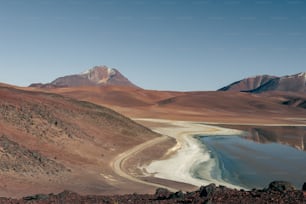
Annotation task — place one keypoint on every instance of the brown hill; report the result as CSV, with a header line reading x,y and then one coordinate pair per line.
x,y
49,143
231,107
260,84
291,99
116,95
201,106
97,76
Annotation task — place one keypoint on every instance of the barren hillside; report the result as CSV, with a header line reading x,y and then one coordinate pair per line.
x,y
49,143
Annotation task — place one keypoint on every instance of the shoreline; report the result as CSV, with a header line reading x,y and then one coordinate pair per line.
x,y
186,156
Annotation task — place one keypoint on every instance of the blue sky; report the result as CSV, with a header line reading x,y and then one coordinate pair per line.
x,y
157,44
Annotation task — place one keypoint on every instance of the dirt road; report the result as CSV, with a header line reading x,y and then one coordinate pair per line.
x,y
119,161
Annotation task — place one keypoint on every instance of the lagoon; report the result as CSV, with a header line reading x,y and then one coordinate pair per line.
x,y
243,162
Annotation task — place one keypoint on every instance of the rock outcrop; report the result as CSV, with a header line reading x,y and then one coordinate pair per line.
x,y
281,186
206,194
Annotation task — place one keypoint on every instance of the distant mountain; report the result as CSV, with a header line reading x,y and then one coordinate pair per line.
x,y
250,83
97,76
263,83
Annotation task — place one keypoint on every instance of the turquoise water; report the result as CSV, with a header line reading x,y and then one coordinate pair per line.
x,y
249,164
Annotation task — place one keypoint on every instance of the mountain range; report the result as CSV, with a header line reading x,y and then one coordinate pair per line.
x,y
264,83
108,87
105,76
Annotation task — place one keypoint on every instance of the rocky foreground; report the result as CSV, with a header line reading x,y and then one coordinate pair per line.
x,y
277,192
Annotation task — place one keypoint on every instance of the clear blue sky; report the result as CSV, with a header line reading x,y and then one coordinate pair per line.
x,y
157,44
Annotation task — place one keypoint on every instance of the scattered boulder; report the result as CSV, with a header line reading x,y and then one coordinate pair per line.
x,y
177,195
162,194
67,193
36,197
208,202
207,190
280,186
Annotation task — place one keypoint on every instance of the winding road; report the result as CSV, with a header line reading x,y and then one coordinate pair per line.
x,y
119,161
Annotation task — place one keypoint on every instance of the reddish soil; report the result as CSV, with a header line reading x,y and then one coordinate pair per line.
x,y
49,143
219,107
63,143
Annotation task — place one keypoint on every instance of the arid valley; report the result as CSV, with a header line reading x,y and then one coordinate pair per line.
x,y
152,102
98,134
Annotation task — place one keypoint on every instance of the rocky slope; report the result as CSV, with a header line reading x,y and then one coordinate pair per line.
x,y
277,192
250,83
21,160
259,84
97,76
47,140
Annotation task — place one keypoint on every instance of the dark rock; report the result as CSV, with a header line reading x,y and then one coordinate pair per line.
x,y
281,186
222,188
177,195
29,198
66,193
208,202
255,194
304,187
207,190
162,194
36,197
215,195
